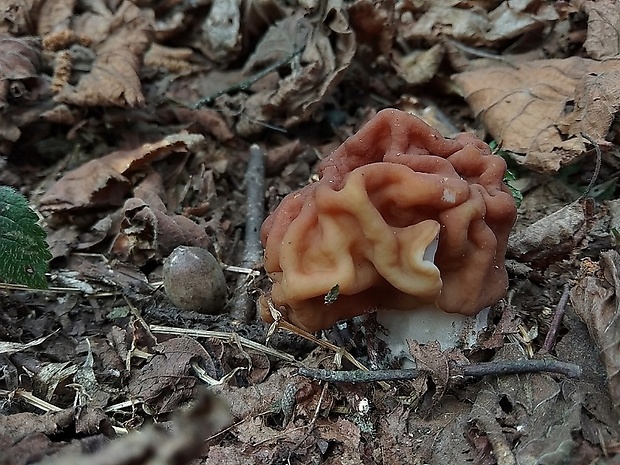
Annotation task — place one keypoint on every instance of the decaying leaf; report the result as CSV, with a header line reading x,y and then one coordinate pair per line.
x,y
528,411
474,25
165,382
113,79
596,300
539,110
19,60
325,44
552,237
26,438
147,232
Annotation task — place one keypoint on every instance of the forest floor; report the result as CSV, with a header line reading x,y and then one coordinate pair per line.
x,y
128,125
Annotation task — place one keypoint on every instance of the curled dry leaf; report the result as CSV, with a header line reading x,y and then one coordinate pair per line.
x,y
474,25
596,301
148,233
114,78
174,59
539,109
19,60
102,182
329,48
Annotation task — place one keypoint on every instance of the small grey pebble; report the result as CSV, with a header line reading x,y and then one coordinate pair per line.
x,y
194,280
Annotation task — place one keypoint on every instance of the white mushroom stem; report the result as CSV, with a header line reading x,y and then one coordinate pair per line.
x,y
429,324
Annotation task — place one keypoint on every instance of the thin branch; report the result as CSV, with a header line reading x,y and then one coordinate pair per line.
x,y
474,370
242,306
552,335
255,205
246,84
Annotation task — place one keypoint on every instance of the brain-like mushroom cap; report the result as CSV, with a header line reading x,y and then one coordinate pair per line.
x,y
371,223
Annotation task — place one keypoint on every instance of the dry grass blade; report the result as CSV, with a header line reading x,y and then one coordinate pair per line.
x,y
223,336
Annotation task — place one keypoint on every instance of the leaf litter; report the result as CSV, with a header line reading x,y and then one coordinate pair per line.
x,y
129,125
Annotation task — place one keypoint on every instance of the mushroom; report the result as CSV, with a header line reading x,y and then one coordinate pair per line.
x,y
402,221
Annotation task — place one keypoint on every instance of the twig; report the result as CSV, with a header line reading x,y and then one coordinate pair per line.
x,y
501,449
244,85
513,367
340,352
475,370
242,306
556,322
597,167
255,205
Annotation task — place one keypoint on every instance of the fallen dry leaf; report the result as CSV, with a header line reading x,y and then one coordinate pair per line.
x,y
326,45
596,301
529,110
463,24
374,24
26,438
597,101
149,233
431,361
114,78
166,381
474,25
220,32
101,183
54,15
552,237
526,410
420,66
515,18
603,28
19,59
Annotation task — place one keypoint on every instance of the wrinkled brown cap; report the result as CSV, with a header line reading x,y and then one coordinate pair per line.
x,y
371,224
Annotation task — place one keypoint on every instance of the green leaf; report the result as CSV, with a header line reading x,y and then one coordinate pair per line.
x,y
24,254
516,193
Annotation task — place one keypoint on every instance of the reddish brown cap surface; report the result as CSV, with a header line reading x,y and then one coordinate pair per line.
x,y
370,225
